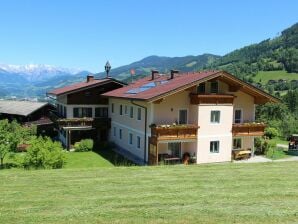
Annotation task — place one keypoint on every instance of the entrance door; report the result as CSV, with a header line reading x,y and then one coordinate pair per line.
x,y
174,149
183,116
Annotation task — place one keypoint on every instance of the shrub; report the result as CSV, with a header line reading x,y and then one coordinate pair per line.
x,y
84,145
271,132
43,153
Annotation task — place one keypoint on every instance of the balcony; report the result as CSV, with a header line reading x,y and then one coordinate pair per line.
x,y
84,123
211,99
248,129
174,132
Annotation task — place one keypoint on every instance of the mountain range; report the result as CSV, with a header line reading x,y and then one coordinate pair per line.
x,y
279,53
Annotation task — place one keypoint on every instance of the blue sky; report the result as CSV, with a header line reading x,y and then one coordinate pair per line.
x,y
85,33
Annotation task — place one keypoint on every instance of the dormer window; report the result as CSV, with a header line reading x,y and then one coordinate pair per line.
x,y
214,87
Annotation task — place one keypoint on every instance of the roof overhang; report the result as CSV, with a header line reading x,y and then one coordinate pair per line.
x,y
260,96
54,95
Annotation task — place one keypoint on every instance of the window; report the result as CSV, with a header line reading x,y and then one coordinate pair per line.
x,y
201,88
114,131
238,116
215,116
130,138
214,146
237,143
120,133
214,87
131,112
64,112
174,149
183,116
80,112
112,109
138,142
121,110
101,112
139,114
125,110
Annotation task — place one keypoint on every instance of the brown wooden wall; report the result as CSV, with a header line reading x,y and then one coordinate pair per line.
x,y
92,95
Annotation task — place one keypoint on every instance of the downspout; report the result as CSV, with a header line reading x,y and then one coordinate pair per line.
x,y
145,139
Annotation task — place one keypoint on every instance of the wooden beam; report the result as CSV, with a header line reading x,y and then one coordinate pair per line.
x,y
158,101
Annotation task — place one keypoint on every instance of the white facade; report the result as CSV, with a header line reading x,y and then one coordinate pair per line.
x,y
167,112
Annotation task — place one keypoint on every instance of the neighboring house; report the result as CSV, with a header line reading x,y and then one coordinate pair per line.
x,y
81,110
28,113
205,114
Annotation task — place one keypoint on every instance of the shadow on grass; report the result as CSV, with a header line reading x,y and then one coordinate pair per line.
x,y
105,151
292,152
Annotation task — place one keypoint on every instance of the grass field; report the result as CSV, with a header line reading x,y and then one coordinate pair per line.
x,y
265,76
85,159
219,193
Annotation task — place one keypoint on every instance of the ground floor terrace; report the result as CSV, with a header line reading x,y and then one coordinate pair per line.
x,y
172,145
75,130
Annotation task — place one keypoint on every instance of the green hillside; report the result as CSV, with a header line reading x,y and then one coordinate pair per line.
x,y
264,76
218,193
277,54
163,65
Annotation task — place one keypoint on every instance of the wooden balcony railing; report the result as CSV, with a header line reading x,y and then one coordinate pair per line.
x,y
211,99
174,132
75,122
101,123
248,129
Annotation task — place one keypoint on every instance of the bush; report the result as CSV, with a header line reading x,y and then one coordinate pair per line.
x,y
271,132
43,153
84,145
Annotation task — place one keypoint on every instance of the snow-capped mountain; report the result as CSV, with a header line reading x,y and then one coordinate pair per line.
x,y
35,80
37,72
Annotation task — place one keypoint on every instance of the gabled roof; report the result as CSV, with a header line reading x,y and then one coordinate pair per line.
x,y
163,86
23,108
82,85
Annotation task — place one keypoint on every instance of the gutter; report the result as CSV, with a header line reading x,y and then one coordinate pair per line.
x,y
145,131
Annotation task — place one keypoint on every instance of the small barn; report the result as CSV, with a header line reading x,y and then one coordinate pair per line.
x,y
28,113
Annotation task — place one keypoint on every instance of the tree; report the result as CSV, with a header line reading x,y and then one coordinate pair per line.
x,y
43,153
11,134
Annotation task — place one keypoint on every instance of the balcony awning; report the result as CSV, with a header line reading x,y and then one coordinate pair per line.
x,y
81,128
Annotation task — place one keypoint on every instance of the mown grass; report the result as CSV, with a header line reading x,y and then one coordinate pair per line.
x,y
85,160
265,76
219,193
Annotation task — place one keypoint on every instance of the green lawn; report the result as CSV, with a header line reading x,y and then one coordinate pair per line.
x,y
264,76
219,193
279,141
85,160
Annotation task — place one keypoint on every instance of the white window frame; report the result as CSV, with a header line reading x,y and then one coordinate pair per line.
x,y
120,133
241,120
121,110
241,143
125,109
130,138
212,122
212,150
138,142
179,115
131,114
139,110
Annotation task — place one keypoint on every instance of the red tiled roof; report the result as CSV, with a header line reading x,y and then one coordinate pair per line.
x,y
177,82
77,86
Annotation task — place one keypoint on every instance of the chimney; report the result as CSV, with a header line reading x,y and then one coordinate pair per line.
x,y
153,72
173,72
90,78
